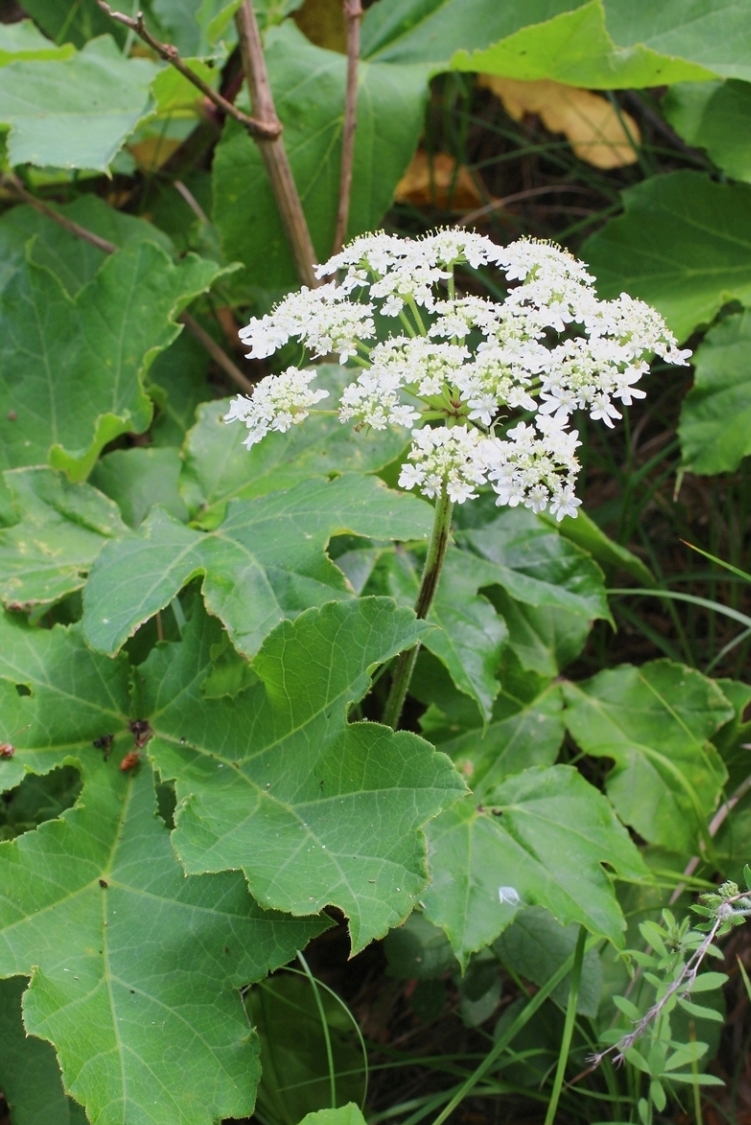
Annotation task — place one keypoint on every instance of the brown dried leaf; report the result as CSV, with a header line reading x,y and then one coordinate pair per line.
x,y
436,181
596,131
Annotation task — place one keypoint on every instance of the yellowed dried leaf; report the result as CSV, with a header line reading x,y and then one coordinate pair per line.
x,y
324,24
437,182
152,152
596,131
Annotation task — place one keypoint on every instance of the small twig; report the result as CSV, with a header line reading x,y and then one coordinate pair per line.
x,y
266,129
192,202
217,353
353,16
272,148
13,184
519,196
683,983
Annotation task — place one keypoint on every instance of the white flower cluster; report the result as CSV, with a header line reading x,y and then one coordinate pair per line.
x,y
460,365
278,403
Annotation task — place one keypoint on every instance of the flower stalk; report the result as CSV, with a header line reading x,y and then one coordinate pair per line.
x,y
431,575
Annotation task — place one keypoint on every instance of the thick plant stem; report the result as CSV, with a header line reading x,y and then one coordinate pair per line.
x,y
353,16
428,585
273,152
568,1027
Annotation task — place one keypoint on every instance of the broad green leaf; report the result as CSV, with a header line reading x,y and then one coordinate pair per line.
x,y
178,385
345,1115
715,426
730,738
36,799
544,639
181,27
134,966
539,839
314,810
76,112
431,31
73,21
683,245
470,633
218,467
535,946
535,564
265,562
295,1076
23,40
591,538
29,1074
61,530
575,47
655,723
70,698
714,116
595,44
526,729
137,479
308,84
72,369
73,260
715,34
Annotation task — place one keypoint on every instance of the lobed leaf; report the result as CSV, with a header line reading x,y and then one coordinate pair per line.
x,y
314,809
715,426
539,839
133,966
62,526
598,44
655,722
72,369
219,468
469,634
29,1075
73,260
74,112
57,699
682,245
265,562
525,729
535,564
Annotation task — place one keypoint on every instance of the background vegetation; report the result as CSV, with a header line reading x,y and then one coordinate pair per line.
x,y
589,682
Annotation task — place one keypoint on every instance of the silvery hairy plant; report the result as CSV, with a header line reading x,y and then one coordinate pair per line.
x,y
487,388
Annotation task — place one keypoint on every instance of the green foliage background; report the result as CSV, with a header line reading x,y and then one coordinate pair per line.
x,y
228,614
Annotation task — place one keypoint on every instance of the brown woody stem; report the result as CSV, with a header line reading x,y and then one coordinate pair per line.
x,y
273,152
353,15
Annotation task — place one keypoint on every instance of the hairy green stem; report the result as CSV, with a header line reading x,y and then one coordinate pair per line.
x,y
568,1027
428,585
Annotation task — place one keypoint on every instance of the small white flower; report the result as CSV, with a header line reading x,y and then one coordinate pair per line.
x,y
450,456
278,402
